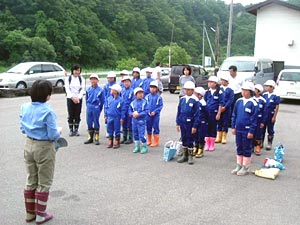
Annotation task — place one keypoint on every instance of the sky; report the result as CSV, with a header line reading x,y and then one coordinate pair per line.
x,y
244,2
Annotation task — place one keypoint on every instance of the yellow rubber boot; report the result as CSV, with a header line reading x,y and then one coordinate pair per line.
x,y
219,137
224,137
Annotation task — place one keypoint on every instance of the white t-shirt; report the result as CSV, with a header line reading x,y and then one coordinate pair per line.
x,y
236,84
155,71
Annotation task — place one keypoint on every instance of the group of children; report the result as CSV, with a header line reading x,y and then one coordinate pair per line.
x,y
133,106
203,117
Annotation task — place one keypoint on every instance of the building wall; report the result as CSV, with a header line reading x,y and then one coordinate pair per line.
x,y
276,28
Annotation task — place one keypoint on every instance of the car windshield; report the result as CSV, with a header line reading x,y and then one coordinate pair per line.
x,y
242,66
290,76
20,68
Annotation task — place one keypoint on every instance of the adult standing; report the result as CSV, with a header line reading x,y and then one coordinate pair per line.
x,y
75,88
156,75
187,76
235,83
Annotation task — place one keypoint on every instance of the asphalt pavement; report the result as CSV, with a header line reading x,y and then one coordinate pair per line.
x,y
96,185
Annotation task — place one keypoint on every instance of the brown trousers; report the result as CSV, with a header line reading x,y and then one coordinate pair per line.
x,y
40,162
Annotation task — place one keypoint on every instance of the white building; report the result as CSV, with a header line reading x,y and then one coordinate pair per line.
x,y
277,32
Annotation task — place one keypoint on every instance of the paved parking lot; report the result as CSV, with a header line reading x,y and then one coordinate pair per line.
x,y
96,185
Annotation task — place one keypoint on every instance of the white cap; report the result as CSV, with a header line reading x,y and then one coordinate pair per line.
x,y
136,69
270,83
126,78
148,69
259,87
200,90
224,77
138,89
111,74
116,87
189,85
124,72
213,79
154,83
248,86
93,75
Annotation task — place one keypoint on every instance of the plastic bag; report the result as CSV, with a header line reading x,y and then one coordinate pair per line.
x,y
170,150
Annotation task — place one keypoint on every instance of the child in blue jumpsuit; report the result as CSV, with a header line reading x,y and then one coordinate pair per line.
x,y
223,123
111,80
136,78
271,111
94,104
138,111
128,97
187,120
260,117
214,101
145,84
113,116
199,92
155,102
244,122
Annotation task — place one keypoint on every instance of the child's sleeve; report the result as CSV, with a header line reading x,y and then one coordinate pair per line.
x,y
253,118
234,114
159,105
52,131
230,99
196,114
178,113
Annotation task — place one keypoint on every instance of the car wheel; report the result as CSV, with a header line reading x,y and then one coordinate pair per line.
x,y
21,85
172,91
60,83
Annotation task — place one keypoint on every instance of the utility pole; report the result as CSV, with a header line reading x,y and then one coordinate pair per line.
x,y
203,38
171,42
217,45
230,30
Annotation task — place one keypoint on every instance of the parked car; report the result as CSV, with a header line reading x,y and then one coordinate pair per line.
x,y
24,74
198,72
288,84
257,70
165,72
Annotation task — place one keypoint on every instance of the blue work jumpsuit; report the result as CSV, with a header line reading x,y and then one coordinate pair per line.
x,y
228,97
155,103
113,113
187,118
94,104
244,120
139,124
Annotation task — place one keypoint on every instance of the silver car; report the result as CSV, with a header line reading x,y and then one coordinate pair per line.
x,y
24,74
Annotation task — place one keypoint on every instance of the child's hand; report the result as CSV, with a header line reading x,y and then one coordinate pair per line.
x,y
250,136
233,131
135,114
105,119
152,114
218,116
273,119
261,125
59,129
178,128
194,130
121,121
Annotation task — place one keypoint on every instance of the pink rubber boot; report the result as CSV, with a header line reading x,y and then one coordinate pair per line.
x,y
207,143
212,144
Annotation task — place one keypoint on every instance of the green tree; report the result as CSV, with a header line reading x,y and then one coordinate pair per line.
x,y
178,55
128,63
40,50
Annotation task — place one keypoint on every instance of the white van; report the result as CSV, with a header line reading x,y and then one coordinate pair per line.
x,y
288,84
257,70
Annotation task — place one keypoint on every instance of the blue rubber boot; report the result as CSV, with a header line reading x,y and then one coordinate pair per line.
x,y
137,147
144,148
